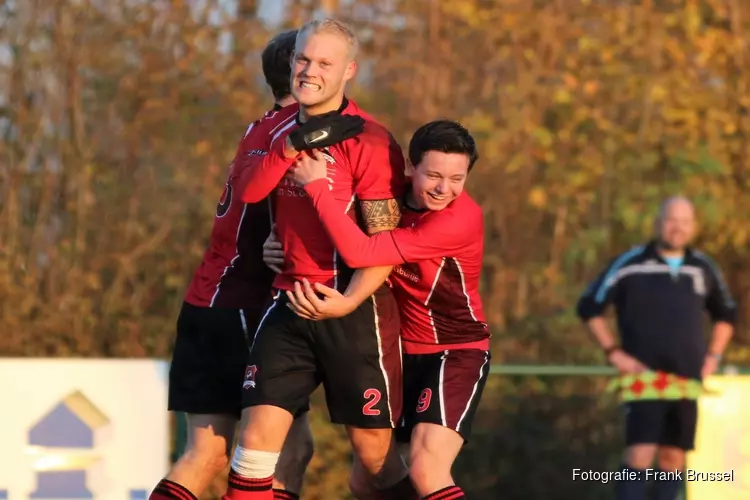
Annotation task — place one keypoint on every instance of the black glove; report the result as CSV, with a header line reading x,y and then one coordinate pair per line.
x,y
325,130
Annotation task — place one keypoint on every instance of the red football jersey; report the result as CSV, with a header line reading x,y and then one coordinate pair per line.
x,y
438,255
232,273
367,167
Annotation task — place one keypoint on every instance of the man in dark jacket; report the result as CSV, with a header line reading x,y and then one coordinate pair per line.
x,y
660,291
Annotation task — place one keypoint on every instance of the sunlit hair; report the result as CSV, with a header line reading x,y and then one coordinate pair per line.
x,y
329,25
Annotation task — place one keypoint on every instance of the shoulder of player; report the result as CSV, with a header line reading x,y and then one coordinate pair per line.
x,y
464,215
275,120
468,211
374,133
375,142
270,120
633,256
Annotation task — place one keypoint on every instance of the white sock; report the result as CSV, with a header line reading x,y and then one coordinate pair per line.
x,y
254,464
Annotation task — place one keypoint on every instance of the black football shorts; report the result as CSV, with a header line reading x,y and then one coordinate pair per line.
x,y
209,359
665,423
356,358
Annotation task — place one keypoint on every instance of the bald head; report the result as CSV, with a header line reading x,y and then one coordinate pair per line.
x,y
678,204
676,223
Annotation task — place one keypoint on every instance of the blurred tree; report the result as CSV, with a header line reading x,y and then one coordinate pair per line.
x,y
119,118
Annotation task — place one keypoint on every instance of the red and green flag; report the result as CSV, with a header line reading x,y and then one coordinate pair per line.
x,y
655,385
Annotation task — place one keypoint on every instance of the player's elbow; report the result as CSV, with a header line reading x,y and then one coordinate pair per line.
x,y
355,261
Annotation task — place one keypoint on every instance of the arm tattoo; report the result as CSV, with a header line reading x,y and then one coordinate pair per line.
x,y
380,215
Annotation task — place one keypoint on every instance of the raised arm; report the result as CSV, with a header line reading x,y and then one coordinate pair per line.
x,y
263,174
378,170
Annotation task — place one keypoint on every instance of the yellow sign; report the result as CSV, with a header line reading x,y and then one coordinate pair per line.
x,y
722,441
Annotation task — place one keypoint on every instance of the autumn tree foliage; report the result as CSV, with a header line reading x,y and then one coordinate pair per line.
x,y
119,118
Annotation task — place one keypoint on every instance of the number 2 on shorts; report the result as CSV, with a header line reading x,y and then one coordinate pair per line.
x,y
373,398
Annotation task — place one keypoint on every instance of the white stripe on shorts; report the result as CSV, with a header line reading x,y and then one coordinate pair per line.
x,y
380,360
265,315
473,392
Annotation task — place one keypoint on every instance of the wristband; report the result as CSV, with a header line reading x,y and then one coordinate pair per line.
x,y
715,356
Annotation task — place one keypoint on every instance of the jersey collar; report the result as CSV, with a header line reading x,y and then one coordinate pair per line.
x,y
405,201
341,109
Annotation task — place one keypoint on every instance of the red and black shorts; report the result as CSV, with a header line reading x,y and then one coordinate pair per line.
x,y
443,389
209,359
357,358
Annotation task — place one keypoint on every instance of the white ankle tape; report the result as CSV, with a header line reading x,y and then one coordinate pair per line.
x,y
254,464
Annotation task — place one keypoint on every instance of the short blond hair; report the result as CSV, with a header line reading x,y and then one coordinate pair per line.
x,y
330,25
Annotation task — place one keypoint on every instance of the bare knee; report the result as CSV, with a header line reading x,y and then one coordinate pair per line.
x,y
378,456
264,428
433,450
371,446
671,458
640,456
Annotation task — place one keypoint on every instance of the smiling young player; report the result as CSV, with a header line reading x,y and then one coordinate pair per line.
x,y
438,253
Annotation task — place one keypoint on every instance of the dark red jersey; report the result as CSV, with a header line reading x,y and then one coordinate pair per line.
x,y
438,255
367,167
232,273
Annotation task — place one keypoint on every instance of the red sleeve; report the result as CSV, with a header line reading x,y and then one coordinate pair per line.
x,y
378,166
356,248
440,235
263,174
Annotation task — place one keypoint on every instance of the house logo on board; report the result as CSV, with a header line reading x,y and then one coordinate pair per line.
x,y
63,445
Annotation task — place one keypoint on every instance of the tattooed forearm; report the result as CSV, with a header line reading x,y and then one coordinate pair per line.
x,y
380,215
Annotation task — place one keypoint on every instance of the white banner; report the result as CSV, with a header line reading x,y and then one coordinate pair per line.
x,y
82,428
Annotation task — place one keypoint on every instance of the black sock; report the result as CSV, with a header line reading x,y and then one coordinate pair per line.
x,y
631,488
668,485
